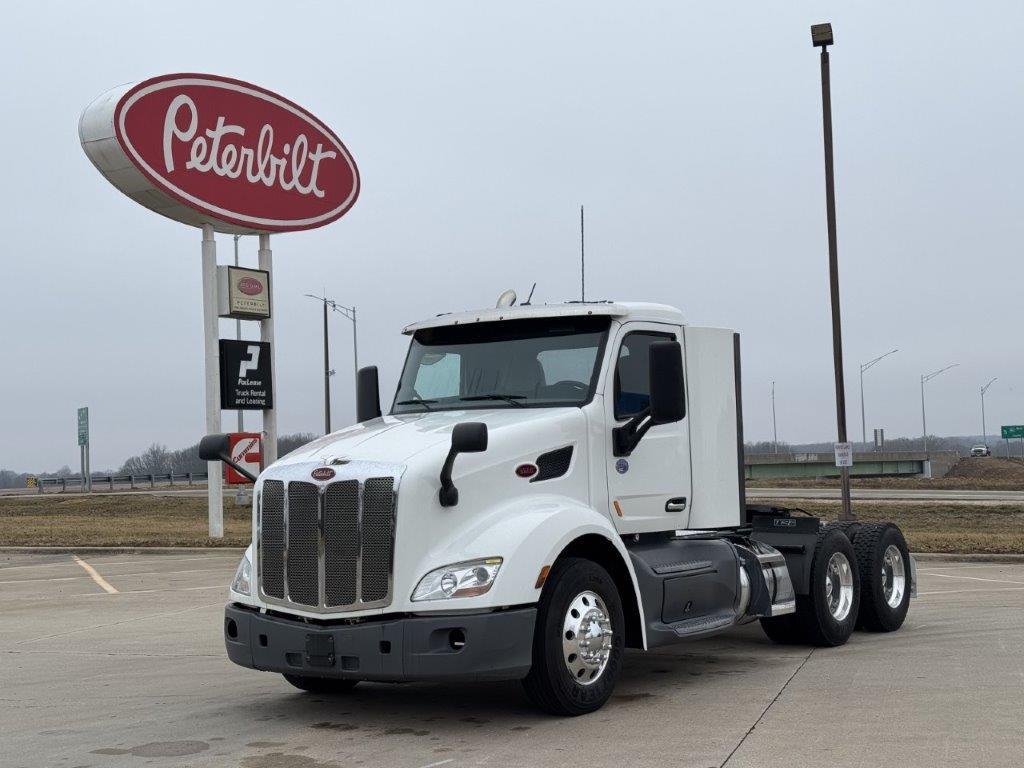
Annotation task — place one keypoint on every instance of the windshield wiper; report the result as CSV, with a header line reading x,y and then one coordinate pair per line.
x,y
513,399
416,401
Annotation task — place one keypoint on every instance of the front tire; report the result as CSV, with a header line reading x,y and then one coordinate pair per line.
x,y
578,640
321,684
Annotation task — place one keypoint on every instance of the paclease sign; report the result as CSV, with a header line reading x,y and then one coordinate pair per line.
x,y
206,149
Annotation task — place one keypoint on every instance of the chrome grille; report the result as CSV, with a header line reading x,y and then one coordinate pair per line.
x,y
341,542
303,543
331,546
272,538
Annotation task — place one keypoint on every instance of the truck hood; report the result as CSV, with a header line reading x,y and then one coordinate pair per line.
x,y
396,439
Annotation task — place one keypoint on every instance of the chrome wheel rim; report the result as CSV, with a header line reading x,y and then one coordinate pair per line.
x,y
839,586
894,576
587,638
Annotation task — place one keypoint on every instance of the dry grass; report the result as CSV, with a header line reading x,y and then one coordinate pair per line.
x,y
941,527
989,474
142,520
179,520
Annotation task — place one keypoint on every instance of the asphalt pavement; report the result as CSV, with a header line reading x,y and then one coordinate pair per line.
x,y
117,660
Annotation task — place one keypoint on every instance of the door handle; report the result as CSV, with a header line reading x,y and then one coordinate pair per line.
x,y
677,504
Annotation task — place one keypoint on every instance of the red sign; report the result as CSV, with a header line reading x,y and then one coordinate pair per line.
x,y
239,156
246,451
322,473
250,286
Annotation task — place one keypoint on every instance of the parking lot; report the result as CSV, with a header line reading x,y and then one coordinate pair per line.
x,y
117,660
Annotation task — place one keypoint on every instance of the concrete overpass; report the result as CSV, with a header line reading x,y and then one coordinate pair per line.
x,y
866,464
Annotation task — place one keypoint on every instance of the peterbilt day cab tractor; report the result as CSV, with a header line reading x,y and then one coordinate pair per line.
x,y
552,485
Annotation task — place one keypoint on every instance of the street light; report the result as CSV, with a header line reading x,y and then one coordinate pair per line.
x,y
926,377
864,367
775,432
821,37
984,432
350,313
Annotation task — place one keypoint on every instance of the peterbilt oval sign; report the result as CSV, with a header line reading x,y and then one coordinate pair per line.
x,y
203,149
250,286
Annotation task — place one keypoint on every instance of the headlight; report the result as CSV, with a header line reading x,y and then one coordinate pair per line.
x,y
467,579
243,577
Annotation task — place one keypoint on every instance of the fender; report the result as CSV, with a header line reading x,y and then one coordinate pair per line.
x,y
528,533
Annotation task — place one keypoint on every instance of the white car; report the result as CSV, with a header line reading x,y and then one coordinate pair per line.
x,y
980,450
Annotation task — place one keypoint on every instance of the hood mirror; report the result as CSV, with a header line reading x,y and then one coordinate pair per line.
x,y
367,394
467,437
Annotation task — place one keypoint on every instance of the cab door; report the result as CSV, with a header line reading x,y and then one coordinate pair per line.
x,y
648,490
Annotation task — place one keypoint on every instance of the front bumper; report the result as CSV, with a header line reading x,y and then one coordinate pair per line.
x,y
482,646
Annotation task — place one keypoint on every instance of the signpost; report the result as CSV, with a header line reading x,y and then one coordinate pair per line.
x,y
83,448
230,157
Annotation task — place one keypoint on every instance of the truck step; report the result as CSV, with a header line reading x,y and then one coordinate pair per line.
x,y
703,624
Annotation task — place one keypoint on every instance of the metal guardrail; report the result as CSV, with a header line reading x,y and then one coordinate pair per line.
x,y
78,482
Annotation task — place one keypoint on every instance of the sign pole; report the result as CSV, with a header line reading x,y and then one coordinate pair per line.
x,y
266,262
211,332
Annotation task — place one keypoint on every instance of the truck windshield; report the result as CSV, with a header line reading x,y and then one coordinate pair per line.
x,y
546,362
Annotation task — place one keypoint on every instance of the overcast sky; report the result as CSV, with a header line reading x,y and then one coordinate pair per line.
x,y
691,132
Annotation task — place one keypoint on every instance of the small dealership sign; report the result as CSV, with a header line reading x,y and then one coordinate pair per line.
x,y
245,375
246,452
243,294
204,149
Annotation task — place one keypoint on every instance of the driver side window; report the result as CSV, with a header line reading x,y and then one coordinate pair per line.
x,y
633,372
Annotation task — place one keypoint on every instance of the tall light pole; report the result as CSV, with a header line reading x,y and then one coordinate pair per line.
x,y
864,367
984,432
821,37
775,432
925,378
350,313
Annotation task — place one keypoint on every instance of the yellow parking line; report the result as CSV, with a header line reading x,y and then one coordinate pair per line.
x,y
104,584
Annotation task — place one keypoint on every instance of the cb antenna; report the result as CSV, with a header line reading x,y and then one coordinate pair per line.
x,y
583,261
527,302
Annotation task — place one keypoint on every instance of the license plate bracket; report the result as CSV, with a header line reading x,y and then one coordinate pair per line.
x,y
320,649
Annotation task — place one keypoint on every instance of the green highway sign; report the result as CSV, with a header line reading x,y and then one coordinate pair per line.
x,y
83,426
1014,430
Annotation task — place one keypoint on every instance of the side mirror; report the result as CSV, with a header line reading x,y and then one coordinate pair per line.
x,y
467,437
668,399
668,403
367,394
218,448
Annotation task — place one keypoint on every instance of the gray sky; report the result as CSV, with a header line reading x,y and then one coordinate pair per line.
x,y
691,132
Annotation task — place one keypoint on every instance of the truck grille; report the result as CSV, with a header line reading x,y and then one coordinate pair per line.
x,y
327,547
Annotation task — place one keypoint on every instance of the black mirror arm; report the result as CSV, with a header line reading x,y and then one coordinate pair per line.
x,y
449,494
629,434
240,470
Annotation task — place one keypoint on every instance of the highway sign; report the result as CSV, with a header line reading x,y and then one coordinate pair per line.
x,y
83,426
1014,430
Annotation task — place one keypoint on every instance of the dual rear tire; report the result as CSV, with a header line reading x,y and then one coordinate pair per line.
x,y
860,579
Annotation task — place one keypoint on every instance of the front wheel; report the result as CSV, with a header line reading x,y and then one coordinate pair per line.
x,y
578,640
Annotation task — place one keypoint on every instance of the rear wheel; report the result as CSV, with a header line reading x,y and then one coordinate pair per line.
x,y
884,564
578,640
827,615
321,684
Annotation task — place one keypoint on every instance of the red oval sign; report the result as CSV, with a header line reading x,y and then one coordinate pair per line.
x,y
237,154
526,470
322,473
250,286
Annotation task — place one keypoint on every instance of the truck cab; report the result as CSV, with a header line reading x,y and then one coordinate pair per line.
x,y
549,486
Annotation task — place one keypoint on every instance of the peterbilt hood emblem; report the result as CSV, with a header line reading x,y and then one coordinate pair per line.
x,y
322,473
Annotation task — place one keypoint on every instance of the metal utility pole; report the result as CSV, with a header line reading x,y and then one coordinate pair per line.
x,y
925,378
350,313
984,432
821,37
775,432
864,367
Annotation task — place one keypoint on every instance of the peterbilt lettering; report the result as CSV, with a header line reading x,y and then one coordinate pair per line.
x,y
550,486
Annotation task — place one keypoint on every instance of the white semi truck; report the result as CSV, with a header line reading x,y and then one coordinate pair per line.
x,y
552,485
